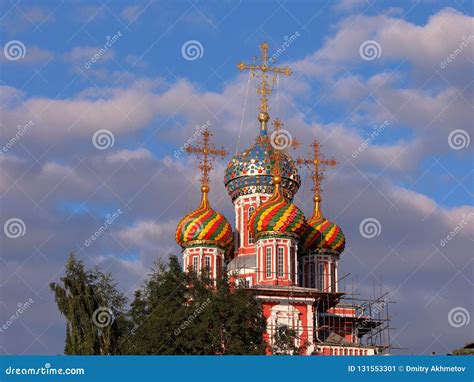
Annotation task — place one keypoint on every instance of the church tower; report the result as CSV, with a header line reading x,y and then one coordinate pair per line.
x,y
276,225
248,176
204,234
323,242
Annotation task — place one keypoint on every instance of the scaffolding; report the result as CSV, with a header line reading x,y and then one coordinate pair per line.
x,y
341,320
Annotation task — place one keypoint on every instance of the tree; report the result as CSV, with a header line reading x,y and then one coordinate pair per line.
x,y
93,308
467,349
284,341
236,322
157,311
175,312
186,313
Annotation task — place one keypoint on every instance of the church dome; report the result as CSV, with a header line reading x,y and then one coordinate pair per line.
x,y
311,237
204,226
323,235
277,216
251,171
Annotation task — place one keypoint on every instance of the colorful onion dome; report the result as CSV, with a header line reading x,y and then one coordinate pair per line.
x,y
311,238
277,216
322,234
204,226
251,171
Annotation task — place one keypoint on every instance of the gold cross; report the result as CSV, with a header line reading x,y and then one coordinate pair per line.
x,y
317,162
265,87
207,151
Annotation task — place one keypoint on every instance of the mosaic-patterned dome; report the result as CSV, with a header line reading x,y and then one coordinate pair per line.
x,y
277,216
251,171
323,234
204,226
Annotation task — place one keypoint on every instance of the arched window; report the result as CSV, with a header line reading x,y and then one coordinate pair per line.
x,y
251,210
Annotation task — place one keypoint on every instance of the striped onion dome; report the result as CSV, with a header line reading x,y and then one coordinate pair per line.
x,y
322,234
277,216
204,226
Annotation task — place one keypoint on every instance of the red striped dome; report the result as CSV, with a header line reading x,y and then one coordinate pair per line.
x,y
204,226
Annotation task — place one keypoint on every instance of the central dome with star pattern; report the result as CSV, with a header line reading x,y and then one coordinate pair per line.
x,y
250,172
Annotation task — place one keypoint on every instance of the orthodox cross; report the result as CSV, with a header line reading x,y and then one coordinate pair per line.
x,y
206,151
317,162
265,87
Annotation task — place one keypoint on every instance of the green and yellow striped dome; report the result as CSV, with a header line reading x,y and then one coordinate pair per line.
x,y
323,234
204,226
277,216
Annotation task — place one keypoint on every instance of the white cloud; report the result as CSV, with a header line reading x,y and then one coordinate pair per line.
x,y
81,54
129,155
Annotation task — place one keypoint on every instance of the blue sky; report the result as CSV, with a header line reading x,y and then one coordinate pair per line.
x,y
150,97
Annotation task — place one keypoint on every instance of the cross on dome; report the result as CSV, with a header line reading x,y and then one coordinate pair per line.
x,y
266,85
317,165
206,151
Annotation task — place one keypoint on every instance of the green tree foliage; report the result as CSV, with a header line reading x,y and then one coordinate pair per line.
x,y
468,349
183,313
175,312
93,308
157,310
284,342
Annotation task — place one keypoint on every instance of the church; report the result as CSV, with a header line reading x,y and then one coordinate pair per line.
x,y
288,260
